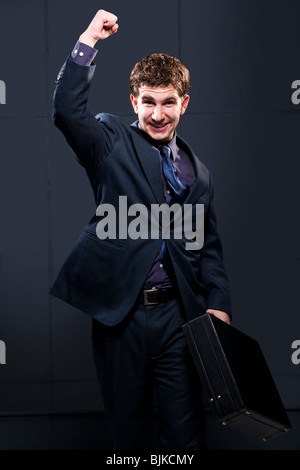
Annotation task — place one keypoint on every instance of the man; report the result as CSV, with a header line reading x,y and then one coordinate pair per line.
x,y
139,290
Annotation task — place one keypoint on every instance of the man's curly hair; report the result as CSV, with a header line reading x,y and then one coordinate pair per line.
x,y
162,70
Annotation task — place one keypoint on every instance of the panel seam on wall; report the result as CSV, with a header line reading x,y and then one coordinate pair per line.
x,y
49,218
179,29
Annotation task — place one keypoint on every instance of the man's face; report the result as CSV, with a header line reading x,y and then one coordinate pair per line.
x,y
159,110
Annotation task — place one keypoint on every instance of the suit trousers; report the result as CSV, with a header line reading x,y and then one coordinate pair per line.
x,y
143,364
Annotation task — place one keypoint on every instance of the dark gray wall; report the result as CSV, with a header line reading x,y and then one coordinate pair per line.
x,y
243,56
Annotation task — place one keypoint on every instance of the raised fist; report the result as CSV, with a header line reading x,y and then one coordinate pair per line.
x,y
103,25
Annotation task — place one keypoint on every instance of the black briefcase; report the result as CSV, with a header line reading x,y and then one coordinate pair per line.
x,y
236,378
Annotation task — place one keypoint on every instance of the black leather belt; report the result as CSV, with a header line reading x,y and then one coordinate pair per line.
x,y
157,296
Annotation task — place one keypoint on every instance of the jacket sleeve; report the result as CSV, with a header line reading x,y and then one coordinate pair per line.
x,y
212,269
90,140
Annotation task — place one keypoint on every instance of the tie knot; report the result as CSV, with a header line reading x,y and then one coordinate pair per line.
x,y
165,150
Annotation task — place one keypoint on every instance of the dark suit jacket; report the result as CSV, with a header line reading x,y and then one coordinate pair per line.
x,y
104,277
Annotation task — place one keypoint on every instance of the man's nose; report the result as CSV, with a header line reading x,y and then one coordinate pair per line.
x,y
157,114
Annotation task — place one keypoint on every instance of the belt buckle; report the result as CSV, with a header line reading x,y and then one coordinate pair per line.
x,y
146,301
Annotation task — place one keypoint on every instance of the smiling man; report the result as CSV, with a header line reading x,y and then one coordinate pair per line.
x,y
139,291
159,109
159,86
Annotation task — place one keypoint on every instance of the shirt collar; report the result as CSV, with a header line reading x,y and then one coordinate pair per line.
x,y
172,143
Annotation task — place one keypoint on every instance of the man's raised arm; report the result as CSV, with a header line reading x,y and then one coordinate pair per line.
x,y
71,115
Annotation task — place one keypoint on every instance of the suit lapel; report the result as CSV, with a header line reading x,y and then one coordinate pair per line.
x,y
150,160
202,175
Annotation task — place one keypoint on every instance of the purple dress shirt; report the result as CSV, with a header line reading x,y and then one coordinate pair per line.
x,y
157,277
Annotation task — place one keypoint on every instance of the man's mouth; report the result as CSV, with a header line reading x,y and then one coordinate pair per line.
x,y
159,126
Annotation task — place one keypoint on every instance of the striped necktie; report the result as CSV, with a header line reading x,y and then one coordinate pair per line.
x,y
180,190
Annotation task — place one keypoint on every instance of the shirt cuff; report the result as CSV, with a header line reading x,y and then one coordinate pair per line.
x,y
83,54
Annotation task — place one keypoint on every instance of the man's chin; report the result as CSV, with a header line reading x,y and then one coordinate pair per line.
x,y
160,136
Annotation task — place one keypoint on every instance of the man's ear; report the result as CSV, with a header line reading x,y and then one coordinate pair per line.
x,y
184,104
134,102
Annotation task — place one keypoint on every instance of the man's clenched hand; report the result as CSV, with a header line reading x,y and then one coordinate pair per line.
x,y
219,314
103,25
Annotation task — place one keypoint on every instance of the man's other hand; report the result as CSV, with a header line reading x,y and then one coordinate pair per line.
x,y
219,314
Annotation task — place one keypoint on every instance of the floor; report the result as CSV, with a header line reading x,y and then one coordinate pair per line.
x,y
90,432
